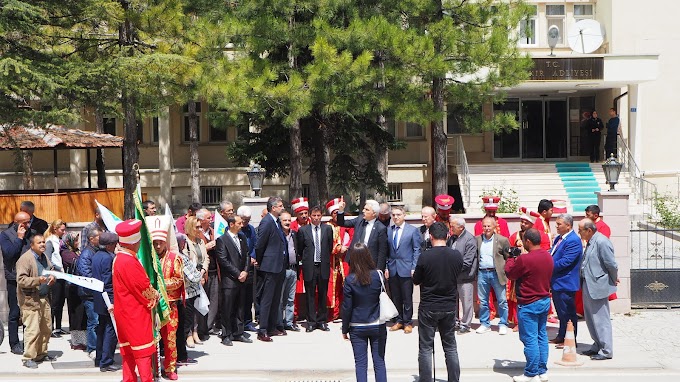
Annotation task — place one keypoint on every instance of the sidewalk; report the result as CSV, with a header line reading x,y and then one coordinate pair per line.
x,y
645,343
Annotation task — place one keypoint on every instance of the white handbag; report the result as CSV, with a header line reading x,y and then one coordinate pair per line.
x,y
387,309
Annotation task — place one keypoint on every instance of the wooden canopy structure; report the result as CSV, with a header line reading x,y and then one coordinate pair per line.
x,y
55,138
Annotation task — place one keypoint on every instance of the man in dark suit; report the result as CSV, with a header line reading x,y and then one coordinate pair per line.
x,y
404,243
231,252
428,215
566,252
36,224
315,242
374,236
15,241
102,269
271,253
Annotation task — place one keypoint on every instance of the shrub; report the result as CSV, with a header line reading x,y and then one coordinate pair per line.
x,y
668,210
509,199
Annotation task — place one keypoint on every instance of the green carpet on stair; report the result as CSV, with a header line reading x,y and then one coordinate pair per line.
x,y
580,183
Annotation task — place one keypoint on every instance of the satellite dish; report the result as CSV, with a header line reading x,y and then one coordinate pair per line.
x,y
553,37
586,36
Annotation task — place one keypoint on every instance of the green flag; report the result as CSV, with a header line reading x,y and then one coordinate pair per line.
x,y
149,259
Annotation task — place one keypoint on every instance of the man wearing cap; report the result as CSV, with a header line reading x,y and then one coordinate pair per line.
x,y
134,300
300,207
444,203
490,208
342,237
102,269
173,275
366,231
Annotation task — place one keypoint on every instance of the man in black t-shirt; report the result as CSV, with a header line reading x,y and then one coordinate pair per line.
x,y
437,274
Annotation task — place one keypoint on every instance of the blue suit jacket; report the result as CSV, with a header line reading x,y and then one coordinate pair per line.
x,y
403,259
102,266
271,248
567,262
361,303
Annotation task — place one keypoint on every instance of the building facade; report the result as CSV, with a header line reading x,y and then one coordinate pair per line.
x,y
633,69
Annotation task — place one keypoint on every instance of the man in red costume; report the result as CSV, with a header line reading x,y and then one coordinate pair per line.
x,y
545,210
342,237
443,204
490,208
134,300
300,207
173,274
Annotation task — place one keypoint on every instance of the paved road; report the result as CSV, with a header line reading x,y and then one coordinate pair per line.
x,y
647,344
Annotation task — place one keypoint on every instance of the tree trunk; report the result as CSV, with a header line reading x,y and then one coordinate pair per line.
x,y
100,161
193,153
295,161
381,153
313,186
28,178
440,180
322,158
130,154
295,138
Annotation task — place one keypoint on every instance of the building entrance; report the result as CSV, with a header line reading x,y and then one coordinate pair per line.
x,y
543,131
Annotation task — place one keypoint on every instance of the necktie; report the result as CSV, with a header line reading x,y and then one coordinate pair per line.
x,y
317,245
395,238
238,243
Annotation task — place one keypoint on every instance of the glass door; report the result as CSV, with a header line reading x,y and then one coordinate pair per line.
x,y
507,142
532,129
556,123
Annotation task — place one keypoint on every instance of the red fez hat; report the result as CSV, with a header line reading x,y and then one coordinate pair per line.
x,y
333,205
559,206
444,202
128,231
300,204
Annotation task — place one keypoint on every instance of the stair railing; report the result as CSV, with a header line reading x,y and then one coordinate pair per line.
x,y
643,190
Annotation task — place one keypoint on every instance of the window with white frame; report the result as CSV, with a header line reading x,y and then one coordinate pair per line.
x,y
109,126
154,130
391,126
583,11
528,28
185,121
555,15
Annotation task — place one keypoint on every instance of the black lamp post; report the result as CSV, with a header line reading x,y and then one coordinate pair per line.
x,y
612,170
256,178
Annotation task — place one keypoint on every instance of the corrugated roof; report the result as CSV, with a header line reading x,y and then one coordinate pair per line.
x,y
54,137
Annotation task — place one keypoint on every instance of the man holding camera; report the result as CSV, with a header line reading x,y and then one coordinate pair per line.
x,y
531,273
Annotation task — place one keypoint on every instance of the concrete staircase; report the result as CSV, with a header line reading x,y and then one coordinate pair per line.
x,y
571,181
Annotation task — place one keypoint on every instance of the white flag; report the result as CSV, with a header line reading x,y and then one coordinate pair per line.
x,y
110,220
221,225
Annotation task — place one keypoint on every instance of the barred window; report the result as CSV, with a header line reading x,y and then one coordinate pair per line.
x,y
394,192
211,194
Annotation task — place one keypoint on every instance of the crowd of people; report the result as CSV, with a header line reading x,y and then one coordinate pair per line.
x,y
296,268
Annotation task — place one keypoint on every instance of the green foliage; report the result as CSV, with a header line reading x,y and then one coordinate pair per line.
x,y
668,209
509,198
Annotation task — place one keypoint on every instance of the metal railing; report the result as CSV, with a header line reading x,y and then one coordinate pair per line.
x,y
643,190
463,171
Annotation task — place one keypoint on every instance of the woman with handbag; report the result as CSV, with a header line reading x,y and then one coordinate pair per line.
x,y
361,318
198,255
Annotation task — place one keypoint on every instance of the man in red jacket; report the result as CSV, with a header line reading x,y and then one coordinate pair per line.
x,y
490,208
531,274
134,299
